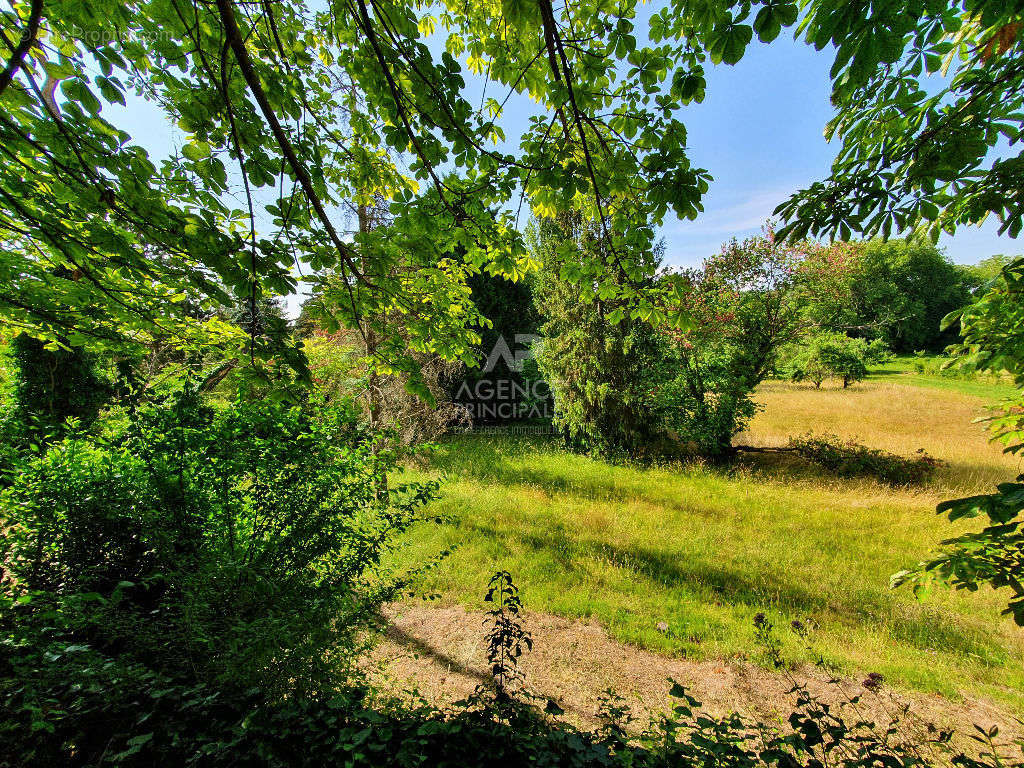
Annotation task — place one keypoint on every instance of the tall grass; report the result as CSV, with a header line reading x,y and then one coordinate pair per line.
x,y
704,550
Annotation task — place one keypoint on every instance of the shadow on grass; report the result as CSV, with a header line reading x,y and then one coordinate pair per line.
x,y
982,476
720,584
494,462
875,373
434,654
786,467
398,635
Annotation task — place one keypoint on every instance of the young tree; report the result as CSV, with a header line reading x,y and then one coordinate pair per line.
x,y
827,355
807,365
599,360
733,315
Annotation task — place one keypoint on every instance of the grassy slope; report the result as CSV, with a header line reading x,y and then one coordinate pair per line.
x,y
706,550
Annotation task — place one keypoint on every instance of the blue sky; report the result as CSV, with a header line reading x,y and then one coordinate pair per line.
x,y
759,132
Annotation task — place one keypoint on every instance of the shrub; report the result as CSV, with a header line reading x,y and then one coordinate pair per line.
x,y
53,385
238,547
804,364
877,352
127,715
847,458
948,367
847,365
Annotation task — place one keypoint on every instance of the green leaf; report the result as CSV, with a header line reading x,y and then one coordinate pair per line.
x,y
196,151
77,91
767,24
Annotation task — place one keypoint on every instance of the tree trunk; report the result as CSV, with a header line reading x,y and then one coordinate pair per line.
x,y
373,398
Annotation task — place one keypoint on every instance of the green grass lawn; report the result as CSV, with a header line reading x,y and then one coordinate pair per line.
x,y
706,550
902,368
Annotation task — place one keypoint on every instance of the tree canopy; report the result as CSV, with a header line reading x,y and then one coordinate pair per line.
x,y
304,112
928,99
290,114
897,290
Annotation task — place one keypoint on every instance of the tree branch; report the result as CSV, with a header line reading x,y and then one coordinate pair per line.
x,y
28,39
234,38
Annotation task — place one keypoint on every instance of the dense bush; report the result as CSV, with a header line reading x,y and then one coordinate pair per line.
x,y
847,458
53,384
949,367
234,548
94,712
498,389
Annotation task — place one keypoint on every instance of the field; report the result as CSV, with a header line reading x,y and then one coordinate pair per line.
x,y
704,550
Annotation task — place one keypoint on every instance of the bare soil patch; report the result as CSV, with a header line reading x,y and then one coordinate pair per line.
x,y
439,653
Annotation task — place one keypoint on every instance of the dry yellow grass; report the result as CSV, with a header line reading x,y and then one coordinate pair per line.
x,y
895,417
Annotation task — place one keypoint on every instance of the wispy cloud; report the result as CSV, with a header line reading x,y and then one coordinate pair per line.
x,y
724,216
687,243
